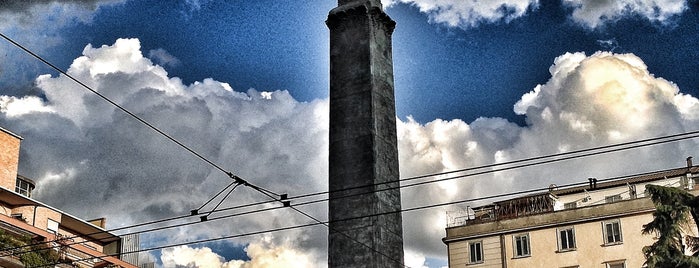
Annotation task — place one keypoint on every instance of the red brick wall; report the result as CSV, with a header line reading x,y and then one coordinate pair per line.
x,y
9,159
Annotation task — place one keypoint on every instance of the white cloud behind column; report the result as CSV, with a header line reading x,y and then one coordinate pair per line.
x,y
595,13
589,101
469,13
76,143
587,13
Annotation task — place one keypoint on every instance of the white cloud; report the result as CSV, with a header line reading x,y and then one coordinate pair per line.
x,y
163,58
588,13
184,256
469,13
414,259
589,101
261,255
596,13
89,148
605,93
13,106
39,23
77,143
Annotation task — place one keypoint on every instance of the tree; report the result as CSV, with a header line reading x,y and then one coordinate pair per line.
x,y
36,255
675,211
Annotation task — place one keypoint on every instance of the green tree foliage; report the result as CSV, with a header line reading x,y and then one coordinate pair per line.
x,y
32,256
675,210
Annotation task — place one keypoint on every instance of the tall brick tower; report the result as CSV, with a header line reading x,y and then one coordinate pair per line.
x,y
363,144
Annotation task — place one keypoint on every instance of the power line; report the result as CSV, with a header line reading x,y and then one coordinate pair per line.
x,y
483,198
357,194
610,148
578,154
134,116
235,178
240,181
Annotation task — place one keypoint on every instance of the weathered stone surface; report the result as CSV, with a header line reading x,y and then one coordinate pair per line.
x,y
363,2
365,222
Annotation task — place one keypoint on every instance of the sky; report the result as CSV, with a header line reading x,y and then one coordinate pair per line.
x,y
245,83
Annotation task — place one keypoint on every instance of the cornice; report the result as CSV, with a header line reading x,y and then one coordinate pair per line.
x,y
362,9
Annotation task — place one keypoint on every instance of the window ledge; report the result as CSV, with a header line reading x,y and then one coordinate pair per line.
x,y
613,244
566,250
521,257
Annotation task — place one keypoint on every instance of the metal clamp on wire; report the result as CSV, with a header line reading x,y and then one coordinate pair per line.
x,y
284,200
237,179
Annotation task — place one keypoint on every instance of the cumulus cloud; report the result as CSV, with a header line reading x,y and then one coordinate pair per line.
x,y
38,23
163,58
414,260
261,254
32,15
13,107
595,13
76,143
471,12
589,101
588,13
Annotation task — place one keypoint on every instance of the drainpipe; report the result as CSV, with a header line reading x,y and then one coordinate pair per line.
x,y
689,175
34,216
503,252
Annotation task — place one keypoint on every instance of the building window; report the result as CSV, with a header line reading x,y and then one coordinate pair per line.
x,y
476,252
616,264
23,187
612,198
521,245
52,226
570,205
612,232
566,239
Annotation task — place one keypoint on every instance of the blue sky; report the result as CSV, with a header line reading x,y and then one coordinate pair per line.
x,y
441,71
474,86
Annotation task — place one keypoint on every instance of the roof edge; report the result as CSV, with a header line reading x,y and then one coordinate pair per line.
x,y
11,133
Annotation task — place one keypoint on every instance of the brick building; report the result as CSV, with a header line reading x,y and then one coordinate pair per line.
x,y
595,225
70,241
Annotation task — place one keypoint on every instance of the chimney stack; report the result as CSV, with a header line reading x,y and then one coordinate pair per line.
x,y
689,161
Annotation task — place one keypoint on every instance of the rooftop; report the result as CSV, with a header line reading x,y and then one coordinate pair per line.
x,y
549,201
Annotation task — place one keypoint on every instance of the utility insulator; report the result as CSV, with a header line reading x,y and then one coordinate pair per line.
x,y
283,199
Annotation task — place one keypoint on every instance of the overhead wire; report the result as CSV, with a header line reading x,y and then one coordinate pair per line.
x,y
132,115
596,150
417,208
637,143
236,178
609,149
196,211
285,201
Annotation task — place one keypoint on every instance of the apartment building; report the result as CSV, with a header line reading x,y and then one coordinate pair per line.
x,y
597,224
67,241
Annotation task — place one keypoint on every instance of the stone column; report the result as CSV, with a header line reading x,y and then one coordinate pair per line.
x,y
363,144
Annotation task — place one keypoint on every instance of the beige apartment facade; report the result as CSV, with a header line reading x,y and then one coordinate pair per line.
x,y
596,225
75,242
